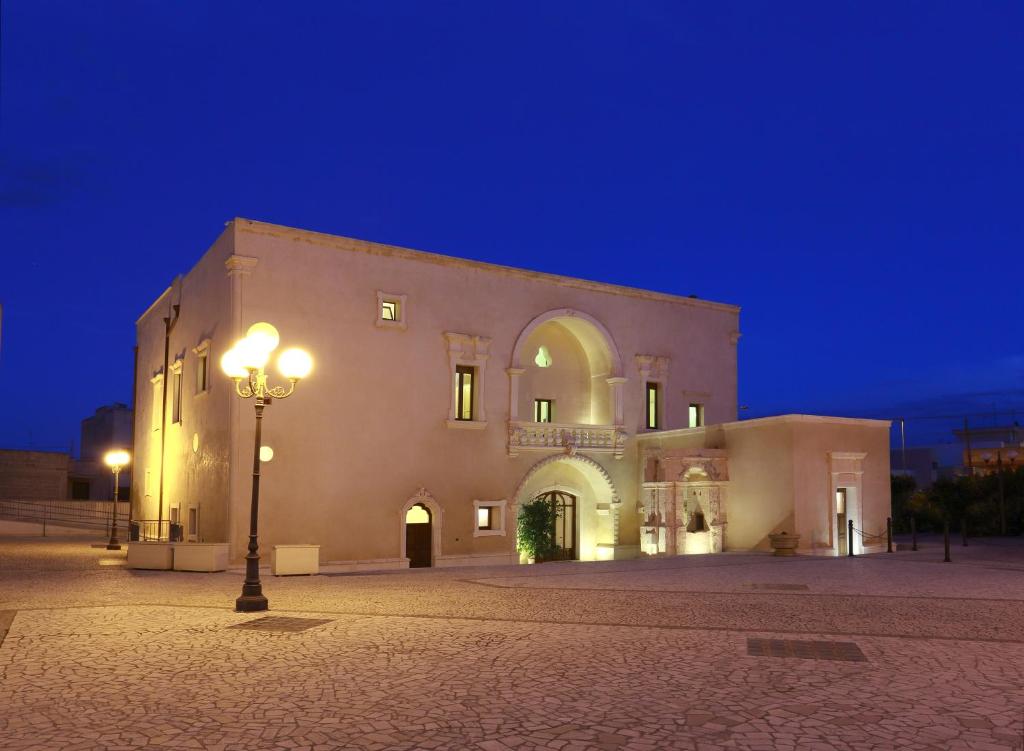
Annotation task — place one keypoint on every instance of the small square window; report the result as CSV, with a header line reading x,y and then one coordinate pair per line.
x,y
542,410
391,310
490,518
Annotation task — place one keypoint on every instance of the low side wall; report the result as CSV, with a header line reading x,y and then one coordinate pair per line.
x,y
35,529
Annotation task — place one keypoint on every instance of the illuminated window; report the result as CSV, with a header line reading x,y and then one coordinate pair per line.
x,y
490,518
696,415
465,388
390,310
176,396
653,405
542,410
543,358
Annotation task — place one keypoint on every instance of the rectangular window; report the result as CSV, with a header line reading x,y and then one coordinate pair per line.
x,y
653,405
389,310
696,415
158,403
484,517
176,397
203,371
542,410
193,522
464,391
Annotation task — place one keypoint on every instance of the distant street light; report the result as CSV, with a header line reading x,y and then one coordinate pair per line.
x,y
115,459
244,364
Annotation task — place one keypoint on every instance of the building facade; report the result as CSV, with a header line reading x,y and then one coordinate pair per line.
x,y
446,393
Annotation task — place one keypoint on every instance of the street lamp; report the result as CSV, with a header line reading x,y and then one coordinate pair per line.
x,y
115,459
244,364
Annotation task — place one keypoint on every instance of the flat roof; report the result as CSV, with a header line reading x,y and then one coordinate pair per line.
x,y
774,419
351,244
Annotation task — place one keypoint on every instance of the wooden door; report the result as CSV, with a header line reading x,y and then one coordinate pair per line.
x,y
419,529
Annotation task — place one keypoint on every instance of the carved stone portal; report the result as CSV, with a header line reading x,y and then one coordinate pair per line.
x,y
683,502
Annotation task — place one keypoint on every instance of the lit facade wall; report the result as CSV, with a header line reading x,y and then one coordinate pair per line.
x,y
373,423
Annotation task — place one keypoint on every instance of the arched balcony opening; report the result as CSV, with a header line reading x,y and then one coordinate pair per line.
x,y
565,385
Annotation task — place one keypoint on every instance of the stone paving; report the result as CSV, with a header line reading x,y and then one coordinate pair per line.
x,y
632,655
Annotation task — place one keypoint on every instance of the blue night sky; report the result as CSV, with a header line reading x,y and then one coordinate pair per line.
x,y
849,173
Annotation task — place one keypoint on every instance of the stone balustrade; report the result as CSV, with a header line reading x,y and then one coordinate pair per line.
x,y
539,436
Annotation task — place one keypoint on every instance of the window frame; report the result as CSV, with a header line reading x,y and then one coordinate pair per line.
x,y
401,308
695,415
537,403
655,388
497,514
176,392
157,404
461,371
202,353
467,351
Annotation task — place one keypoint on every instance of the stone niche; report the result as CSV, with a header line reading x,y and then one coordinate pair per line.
x,y
683,501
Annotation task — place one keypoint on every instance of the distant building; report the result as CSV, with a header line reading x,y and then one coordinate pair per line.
x,y
56,476
33,475
919,462
89,478
988,449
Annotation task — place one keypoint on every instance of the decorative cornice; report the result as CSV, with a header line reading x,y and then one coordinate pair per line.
x,y
236,264
249,226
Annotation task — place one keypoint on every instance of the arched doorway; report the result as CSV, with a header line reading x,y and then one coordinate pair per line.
x,y
564,520
418,536
589,524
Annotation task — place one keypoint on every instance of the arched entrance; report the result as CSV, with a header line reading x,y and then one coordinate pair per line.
x,y
565,522
421,521
418,535
588,525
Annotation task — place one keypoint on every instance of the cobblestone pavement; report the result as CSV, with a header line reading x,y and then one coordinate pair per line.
x,y
620,655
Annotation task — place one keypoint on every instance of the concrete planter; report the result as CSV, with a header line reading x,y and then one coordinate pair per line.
x,y
157,556
295,560
200,556
784,544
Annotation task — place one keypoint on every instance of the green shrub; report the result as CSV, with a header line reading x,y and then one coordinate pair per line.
x,y
535,529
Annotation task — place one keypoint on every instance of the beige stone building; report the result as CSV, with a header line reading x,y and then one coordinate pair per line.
x,y
448,392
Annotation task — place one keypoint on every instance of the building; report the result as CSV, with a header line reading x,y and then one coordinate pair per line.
x,y
918,462
449,392
33,475
108,428
991,448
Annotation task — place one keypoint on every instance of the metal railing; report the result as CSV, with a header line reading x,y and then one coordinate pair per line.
x,y
77,514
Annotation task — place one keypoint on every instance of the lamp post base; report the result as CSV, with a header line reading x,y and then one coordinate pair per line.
x,y
251,603
113,546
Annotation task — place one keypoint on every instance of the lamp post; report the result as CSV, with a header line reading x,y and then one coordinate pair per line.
x,y
115,459
244,364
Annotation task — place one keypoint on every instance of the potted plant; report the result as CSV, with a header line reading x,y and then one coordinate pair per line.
x,y
784,543
535,530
